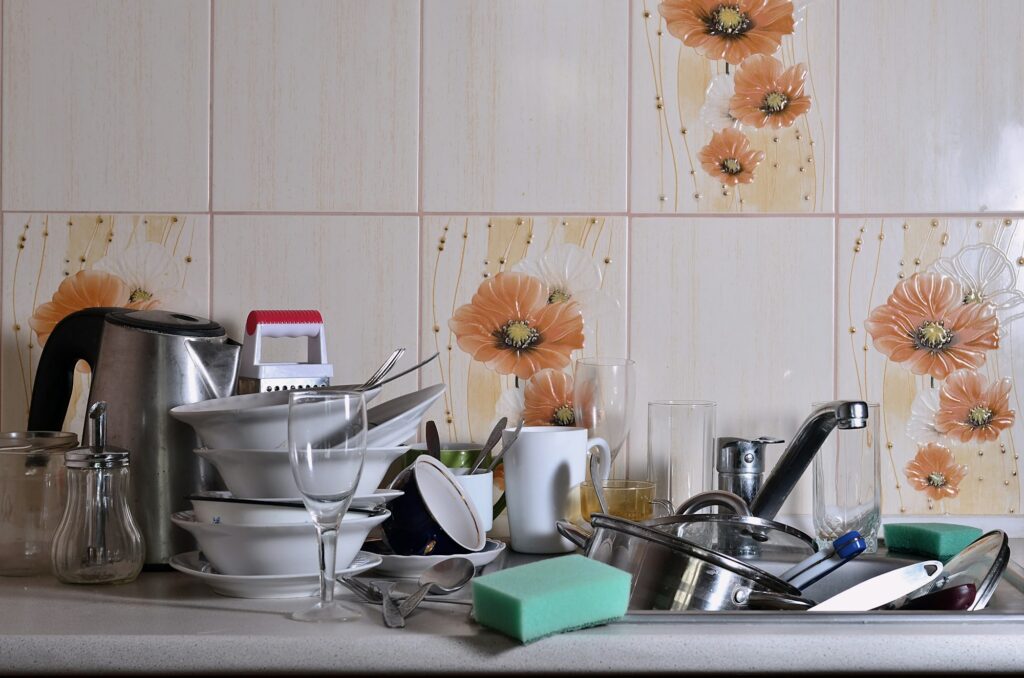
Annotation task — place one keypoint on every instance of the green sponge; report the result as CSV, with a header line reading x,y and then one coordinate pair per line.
x,y
551,596
932,540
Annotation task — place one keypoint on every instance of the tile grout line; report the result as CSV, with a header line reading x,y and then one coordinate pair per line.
x,y
836,213
2,272
209,172
630,6
419,202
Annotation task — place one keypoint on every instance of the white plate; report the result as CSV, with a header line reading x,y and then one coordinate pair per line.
x,y
272,586
218,508
410,567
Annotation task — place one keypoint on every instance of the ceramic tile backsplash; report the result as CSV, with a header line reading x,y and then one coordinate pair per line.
x,y
984,255
747,331
461,253
355,270
55,264
681,99
525,110
105,105
315,105
382,160
927,106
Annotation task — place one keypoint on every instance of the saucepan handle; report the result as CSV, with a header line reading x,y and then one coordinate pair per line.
x,y
574,534
763,600
715,498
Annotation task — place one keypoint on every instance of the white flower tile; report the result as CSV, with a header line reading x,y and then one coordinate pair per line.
x,y
106,105
736,311
162,259
670,90
873,254
457,253
931,117
315,105
525,105
359,272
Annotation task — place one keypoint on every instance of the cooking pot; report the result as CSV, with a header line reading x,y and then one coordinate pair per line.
x,y
670,573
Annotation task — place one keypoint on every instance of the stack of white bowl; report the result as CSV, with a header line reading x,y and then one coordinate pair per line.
x,y
260,526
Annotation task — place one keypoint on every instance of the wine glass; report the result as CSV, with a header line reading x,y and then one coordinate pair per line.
x,y
327,444
603,393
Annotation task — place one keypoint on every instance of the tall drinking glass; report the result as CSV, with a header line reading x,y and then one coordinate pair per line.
x,y
680,447
848,483
327,444
603,393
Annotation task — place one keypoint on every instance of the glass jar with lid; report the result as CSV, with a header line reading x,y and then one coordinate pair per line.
x,y
98,540
32,497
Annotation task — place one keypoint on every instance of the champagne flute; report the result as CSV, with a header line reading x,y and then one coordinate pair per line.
x,y
604,390
327,445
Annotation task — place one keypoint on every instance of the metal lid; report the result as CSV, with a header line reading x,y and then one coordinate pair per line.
x,y
167,322
38,440
737,536
755,574
97,454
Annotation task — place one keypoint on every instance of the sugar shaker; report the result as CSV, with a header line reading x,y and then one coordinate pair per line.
x,y
98,540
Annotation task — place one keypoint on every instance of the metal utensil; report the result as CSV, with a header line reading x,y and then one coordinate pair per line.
x,y
506,448
883,589
383,370
372,596
447,576
492,440
595,473
433,440
393,619
406,371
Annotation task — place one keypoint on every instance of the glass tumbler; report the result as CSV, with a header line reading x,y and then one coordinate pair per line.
x,y
32,495
847,483
680,447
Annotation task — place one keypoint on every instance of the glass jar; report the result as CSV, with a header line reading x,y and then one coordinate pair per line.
x,y
98,540
32,497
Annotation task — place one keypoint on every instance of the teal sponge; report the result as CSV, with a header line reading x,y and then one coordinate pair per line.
x,y
551,596
932,540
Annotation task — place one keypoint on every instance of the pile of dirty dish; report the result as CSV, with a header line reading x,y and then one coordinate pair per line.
x,y
256,540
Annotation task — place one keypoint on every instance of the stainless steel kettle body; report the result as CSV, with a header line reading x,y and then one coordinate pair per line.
x,y
143,364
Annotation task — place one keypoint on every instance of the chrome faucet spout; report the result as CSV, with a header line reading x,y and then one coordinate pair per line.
x,y
844,414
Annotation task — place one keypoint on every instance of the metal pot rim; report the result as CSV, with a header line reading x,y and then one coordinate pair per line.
x,y
632,529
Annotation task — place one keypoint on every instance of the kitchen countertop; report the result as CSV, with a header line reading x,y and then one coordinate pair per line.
x,y
165,622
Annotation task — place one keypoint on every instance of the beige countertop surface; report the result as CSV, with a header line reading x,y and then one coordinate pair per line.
x,y
166,622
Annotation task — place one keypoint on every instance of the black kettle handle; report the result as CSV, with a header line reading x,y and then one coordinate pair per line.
x,y
76,337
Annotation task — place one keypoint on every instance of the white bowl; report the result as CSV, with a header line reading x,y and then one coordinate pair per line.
x,y
255,474
253,420
398,420
218,508
274,549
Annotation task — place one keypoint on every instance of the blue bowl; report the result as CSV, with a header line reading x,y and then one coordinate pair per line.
x,y
434,517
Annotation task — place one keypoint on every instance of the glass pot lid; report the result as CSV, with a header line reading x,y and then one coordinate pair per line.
x,y
743,537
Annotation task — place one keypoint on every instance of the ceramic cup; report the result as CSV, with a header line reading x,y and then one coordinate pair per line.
x,y
545,464
434,517
479,487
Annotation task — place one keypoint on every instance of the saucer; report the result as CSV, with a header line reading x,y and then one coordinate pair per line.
x,y
410,567
377,498
267,586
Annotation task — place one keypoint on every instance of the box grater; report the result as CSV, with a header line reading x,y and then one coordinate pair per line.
x,y
256,376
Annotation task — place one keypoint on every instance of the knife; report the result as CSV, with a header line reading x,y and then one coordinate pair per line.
x,y
883,589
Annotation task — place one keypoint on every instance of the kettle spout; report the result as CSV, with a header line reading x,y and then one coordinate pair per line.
x,y
217,365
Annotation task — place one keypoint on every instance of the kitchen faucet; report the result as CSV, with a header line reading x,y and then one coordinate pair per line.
x,y
844,414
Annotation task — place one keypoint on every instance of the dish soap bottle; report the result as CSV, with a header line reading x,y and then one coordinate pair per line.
x,y
98,540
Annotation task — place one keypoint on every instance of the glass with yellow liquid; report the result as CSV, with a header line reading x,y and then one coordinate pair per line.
x,y
629,499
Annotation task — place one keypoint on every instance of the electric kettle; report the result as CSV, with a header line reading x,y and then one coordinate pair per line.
x,y
143,363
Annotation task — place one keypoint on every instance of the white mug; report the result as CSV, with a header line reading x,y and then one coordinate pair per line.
x,y
542,467
479,488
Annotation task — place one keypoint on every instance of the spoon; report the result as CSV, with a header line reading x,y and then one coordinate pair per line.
x,y
383,370
492,440
393,618
433,440
595,472
505,448
447,576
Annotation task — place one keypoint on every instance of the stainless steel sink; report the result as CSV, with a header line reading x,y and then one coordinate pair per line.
x,y
1007,604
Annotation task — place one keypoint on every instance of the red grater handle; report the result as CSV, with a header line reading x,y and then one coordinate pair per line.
x,y
285,323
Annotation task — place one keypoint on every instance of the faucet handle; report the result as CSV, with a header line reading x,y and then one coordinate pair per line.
x,y
740,455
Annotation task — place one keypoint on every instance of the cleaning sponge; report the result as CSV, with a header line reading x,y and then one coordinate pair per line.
x,y
932,540
551,596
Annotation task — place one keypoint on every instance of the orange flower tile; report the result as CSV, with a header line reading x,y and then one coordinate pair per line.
x,y
935,472
730,30
971,409
548,397
729,158
767,94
